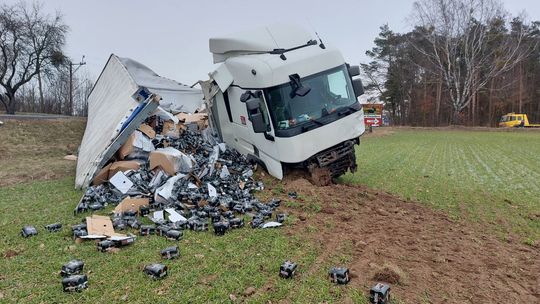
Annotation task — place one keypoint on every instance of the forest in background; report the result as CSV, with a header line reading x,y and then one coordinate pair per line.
x,y
465,62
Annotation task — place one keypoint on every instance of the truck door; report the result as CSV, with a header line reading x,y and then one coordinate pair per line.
x,y
261,145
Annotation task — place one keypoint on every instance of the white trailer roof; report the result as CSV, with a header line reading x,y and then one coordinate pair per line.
x,y
112,110
259,40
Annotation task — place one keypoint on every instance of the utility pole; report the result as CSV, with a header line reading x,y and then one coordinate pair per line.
x,y
71,72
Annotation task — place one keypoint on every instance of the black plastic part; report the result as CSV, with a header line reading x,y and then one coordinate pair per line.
x,y
170,253
147,230
339,275
54,227
236,222
75,283
287,269
105,245
28,231
72,267
174,235
220,228
156,271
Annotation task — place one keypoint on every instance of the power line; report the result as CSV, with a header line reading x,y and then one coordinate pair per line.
x,y
71,72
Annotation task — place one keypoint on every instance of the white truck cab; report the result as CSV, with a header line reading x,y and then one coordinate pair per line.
x,y
286,100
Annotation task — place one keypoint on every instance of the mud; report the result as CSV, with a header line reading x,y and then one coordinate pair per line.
x,y
427,257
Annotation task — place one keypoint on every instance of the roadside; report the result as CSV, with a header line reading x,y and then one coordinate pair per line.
x,y
34,116
34,150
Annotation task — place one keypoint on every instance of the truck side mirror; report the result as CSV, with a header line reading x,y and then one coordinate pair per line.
x,y
255,115
354,70
358,87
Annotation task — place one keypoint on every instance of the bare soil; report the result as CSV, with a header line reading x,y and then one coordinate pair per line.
x,y
426,256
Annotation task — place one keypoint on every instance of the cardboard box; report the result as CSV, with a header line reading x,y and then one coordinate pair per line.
x,y
102,176
131,204
111,169
123,165
99,226
171,129
136,142
148,131
170,160
201,119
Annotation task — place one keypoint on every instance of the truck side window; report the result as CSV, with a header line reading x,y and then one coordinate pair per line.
x,y
265,114
337,84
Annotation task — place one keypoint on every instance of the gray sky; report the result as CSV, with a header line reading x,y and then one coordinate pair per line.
x,y
171,37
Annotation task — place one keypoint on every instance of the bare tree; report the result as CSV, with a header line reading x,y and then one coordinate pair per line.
x,y
462,48
29,41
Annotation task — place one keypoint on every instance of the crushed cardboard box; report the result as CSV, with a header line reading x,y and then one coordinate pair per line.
x,y
133,204
111,169
171,161
199,119
100,227
147,130
171,129
137,146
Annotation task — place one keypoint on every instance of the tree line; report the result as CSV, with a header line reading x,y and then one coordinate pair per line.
x,y
35,73
464,62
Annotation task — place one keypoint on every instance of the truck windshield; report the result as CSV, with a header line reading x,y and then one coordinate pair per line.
x,y
331,91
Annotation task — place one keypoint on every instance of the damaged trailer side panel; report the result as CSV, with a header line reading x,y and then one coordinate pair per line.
x,y
124,95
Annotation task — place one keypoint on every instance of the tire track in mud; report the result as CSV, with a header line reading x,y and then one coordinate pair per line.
x,y
450,261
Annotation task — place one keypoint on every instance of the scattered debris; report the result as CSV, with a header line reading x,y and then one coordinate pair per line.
x,y
156,271
339,275
220,228
379,294
170,253
79,231
29,231
105,245
293,195
280,217
70,157
54,227
271,225
287,269
72,267
76,282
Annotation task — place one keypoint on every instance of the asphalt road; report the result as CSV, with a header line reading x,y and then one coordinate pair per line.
x,y
34,117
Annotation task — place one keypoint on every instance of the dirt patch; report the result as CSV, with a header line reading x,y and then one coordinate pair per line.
x,y
390,274
8,254
389,238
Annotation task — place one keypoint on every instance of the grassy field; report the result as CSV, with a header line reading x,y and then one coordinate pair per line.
x,y
33,150
210,268
490,177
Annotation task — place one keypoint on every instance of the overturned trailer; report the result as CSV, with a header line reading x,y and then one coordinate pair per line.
x,y
279,97
124,95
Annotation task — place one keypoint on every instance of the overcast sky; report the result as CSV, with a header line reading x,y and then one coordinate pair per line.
x,y
171,37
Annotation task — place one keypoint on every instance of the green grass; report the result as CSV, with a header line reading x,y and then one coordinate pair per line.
x,y
209,270
489,177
